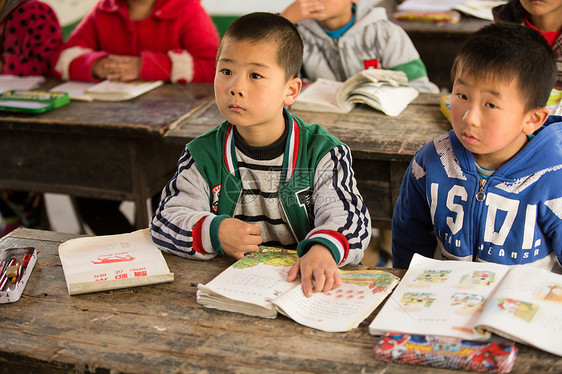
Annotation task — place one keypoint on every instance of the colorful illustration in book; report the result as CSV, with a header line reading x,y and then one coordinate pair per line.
x,y
479,278
428,277
467,302
411,300
268,256
551,292
522,309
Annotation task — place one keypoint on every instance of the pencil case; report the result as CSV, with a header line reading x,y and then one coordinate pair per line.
x,y
31,101
446,353
16,265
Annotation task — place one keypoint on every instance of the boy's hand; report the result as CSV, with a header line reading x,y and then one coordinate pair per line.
x,y
318,270
238,237
300,10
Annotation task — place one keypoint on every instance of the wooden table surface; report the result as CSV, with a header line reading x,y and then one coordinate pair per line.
x,y
382,146
106,150
161,328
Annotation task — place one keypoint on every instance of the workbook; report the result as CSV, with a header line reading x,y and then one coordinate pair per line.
x,y
384,90
471,300
106,90
257,285
101,263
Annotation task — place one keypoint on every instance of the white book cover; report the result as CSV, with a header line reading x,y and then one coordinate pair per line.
x,y
100,263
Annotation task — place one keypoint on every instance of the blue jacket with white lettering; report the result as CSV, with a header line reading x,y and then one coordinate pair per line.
x,y
447,211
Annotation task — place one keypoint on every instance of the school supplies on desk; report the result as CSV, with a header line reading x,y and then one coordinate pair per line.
x,y
471,300
256,285
14,82
32,101
385,90
446,353
445,105
109,262
435,17
16,265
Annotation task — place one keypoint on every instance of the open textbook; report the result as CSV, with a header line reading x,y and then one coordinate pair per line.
x,y
471,300
385,90
101,263
106,90
256,285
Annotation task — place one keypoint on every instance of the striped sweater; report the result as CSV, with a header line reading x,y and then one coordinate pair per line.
x,y
316,195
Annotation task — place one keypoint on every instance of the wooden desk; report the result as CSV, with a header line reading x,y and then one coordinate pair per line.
x,y
382,146
437,44
108,150
162,329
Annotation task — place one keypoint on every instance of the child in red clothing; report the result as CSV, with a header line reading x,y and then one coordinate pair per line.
x,y
123,40
30,39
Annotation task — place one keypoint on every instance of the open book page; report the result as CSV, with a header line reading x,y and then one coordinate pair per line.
x,y
527,308
254,280
341,309
14,82
385,90
76,90
440,298
391,100
99,263
118,91
479,8
320,96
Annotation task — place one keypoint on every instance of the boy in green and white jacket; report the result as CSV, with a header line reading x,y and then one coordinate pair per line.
x,y
264,177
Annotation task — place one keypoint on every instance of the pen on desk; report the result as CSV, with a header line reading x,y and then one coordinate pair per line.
x,y
20,272
3,281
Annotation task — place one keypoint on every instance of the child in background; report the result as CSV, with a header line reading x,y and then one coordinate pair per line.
x,y
546,18
487,191
264,176
30,36
124,40
343,37
31,39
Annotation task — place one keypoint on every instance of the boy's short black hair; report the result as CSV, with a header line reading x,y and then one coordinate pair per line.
x,y
261,26
510,51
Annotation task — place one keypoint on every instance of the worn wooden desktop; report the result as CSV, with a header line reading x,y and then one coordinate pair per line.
x,y
437,44
110,150
382,146
162,329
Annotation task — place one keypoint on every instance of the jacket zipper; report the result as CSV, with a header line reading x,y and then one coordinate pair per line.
x,y
340,65
480,197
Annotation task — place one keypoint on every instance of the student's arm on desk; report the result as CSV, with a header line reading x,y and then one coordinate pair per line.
x,y
341,220
412,228
183,223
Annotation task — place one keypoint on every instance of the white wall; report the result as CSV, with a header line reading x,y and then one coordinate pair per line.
x,y
239,7
70,11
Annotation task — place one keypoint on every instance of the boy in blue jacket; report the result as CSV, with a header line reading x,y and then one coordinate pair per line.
x,y
489,190
264,176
